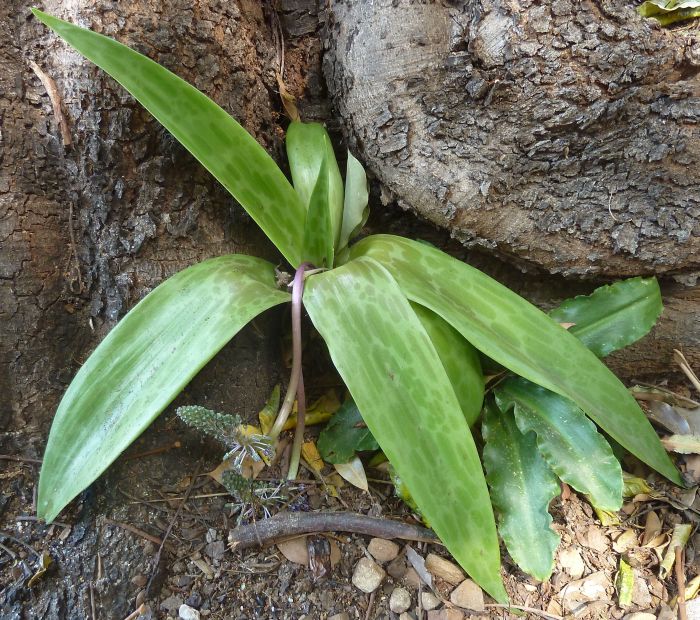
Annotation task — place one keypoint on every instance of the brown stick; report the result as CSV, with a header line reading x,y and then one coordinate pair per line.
x,y
55,99
20,459
292,523
680,582
134,530
135,614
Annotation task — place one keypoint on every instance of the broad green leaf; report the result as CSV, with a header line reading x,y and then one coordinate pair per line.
x,y
522,485
223,147
345,434
517,335
308,144
460,360
567,440
318,232
355,205
668,12
613,316
143,363
395,376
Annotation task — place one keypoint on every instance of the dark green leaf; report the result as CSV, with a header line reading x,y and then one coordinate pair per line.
x,y
143,363
345,434
227,150
514,333
613,316
567,440
522,485
397,380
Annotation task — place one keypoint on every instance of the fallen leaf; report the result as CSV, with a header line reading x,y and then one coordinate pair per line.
x,y
577,593
268,413
313,459
353,472
652,527
681,534
418,564
572,562
44,563
682,444
624,583
625,541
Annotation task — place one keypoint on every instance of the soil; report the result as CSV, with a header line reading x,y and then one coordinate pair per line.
x,y
106,543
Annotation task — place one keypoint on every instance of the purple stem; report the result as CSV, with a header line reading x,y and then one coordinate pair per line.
x,y
294,378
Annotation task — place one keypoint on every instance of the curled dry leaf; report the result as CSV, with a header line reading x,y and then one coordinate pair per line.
x,y
296,550
353,472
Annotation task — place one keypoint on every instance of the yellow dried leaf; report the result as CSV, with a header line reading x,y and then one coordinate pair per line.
x,y
309,452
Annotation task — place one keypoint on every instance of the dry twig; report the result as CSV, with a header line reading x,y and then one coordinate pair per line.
x,y
55,99
289,524
134,530
680,582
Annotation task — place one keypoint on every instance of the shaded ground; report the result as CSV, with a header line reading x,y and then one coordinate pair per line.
x,y
106,545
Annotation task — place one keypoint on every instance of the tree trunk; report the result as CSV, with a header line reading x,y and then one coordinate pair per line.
x,y
560,134
561,137
88,229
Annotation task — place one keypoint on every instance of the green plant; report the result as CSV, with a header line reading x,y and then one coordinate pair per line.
x,y
402,321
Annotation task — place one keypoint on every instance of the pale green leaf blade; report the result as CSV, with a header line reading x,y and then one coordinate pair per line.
x,y
227,150
519,336
143,363
397,380
308,144
567,440
613,316
522,486
460,360
318,232
355,205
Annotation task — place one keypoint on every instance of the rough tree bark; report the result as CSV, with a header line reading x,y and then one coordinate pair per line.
x,y
562,137
563,134
88,230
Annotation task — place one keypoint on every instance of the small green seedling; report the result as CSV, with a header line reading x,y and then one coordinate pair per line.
x,y
403,323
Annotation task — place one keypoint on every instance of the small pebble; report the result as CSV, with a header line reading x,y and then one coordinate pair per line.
x,y
407,616
368,575
342,616
429,601
444,569
194,599
446,614
188,613
383,550
468,595
139,580
397,567
171,603
400,600
215,549
412,579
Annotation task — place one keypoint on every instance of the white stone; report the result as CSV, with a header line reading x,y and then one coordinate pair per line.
x,y
188,613
400,600
429,601
368,575
468,595
383,550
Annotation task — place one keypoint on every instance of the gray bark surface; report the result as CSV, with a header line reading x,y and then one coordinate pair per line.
x,y
87,231
558,134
